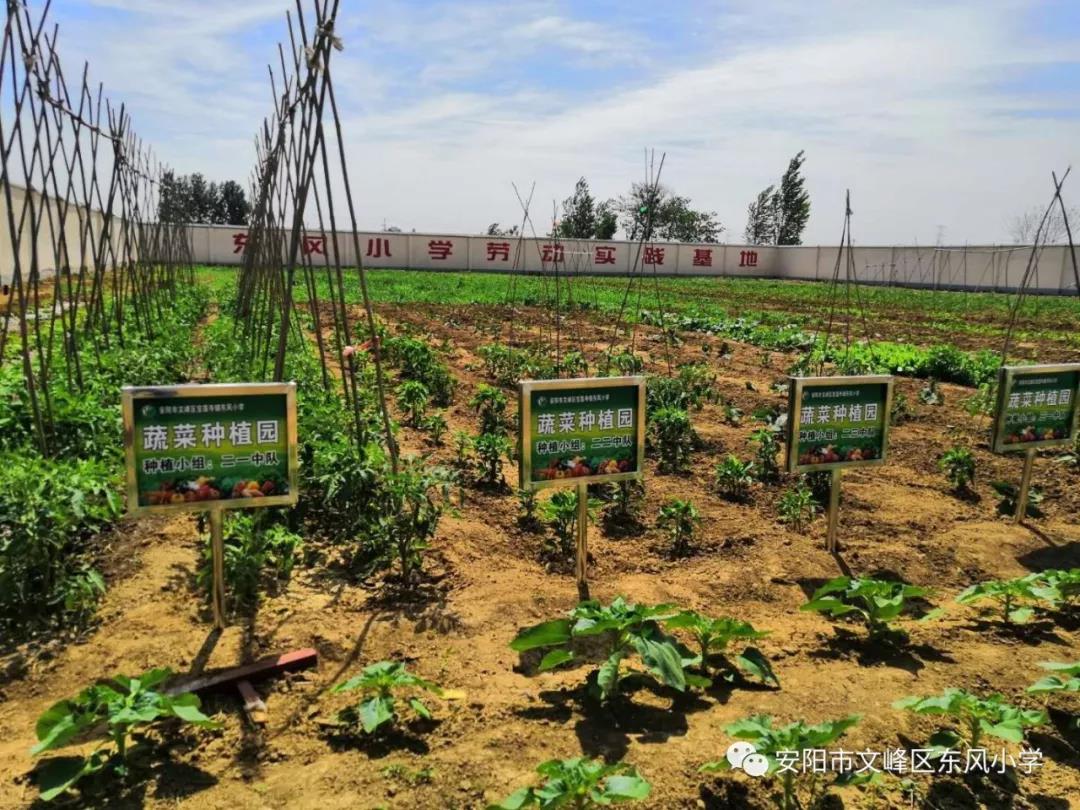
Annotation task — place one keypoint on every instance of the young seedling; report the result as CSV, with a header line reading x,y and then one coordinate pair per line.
x,y
974,717
797,507
734,478
673,438
765,464
436,427
876,601
713,637
958,464
1013,596
528,502
122,705
630,629
491,449
413,398
411,504
680,519
785,745
1009,495
490,404
382,685
1065,585
579,784
625,501
560,510
1066,678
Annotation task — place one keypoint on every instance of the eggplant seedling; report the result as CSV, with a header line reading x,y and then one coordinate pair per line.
x,y
122,705
713,637
876,601
974,717
581,784
383,685
631,629
1066,678
785,745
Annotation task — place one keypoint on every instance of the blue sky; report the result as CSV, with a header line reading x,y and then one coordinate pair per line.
x,y
939,116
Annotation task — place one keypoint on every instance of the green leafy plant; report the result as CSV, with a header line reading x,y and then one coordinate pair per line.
x,y
1009,496
628,363
797,506
1071,457
581,784
411,503
974,717
673,438
1013,595
491,449
258,553
490,405
713,636
876,601
629,629
413,398
766,467
436,427
382,685
626,497
561,511
1066,678
984,400
680,518
120,706
1063,586
419,361
790,741
734,478
958,464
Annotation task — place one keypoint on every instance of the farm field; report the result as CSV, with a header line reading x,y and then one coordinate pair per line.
x,y
491,569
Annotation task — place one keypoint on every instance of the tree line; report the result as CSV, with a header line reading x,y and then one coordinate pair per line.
x,y
777,216
190,198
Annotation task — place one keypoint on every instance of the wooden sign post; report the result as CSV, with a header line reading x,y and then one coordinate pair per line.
x,y
1036,408
581,432
835,423
209,448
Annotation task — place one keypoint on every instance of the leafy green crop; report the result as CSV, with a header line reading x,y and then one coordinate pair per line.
x,y
958,464
492,448
121,705
790,740
876,601
1065,679
630,629
490,404
561,511
680,518
1012,594
382,685
797,506
413,398
410,505
672,437
713,637
765,464
1063,586
974,716
734,478
436,427
580,784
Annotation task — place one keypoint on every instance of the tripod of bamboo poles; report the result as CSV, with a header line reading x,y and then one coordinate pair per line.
x,y
295,235
96,251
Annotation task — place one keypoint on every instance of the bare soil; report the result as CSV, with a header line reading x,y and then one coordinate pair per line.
x,y
487,577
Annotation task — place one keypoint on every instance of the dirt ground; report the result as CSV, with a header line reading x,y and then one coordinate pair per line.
x,y
486,578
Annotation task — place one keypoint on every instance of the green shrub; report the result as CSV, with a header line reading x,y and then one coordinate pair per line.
x,y
259,554
490,405
492,448
765,463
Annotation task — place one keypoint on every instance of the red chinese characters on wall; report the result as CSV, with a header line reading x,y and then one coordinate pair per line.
x,y
552,253
604,254
378,249
440,249
702,257
498,251
747,258
654,255
239,241
314,245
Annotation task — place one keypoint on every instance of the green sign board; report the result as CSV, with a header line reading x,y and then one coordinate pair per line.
x,y
575,431
1036,407
837,422
210,446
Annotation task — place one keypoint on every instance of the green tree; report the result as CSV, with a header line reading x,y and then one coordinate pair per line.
x,y
652,211
792,204
578,213
236,208
607,220
760,224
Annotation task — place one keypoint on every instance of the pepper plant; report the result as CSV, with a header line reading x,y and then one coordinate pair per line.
x,y
630,629
492,448
122,705
1066,678
580,784
413,398
680,518
561,511
974,717
490,405
734,478
713,636
958,464
786,744
1013,595
411,503
797,506
673,438
382,685
436,427
765,463
876,601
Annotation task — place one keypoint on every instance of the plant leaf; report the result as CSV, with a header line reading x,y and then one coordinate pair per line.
x,y
756,664
553,659
376,711
547,634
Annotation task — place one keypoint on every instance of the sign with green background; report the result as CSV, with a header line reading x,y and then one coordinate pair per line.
x,y
207,446
837,421
1036,407
577,429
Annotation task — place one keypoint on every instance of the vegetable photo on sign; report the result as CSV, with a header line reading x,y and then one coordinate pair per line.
x,y
838,421
1037,407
